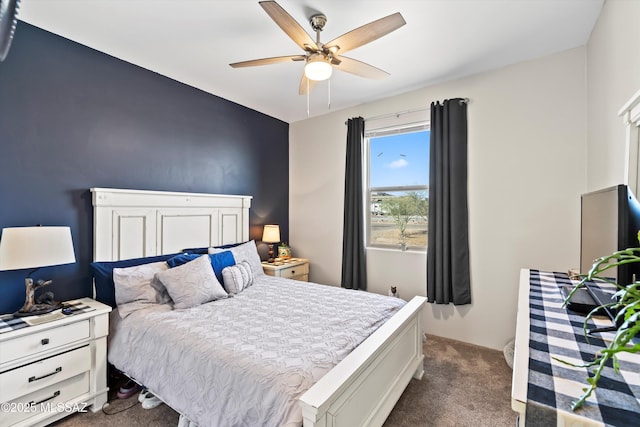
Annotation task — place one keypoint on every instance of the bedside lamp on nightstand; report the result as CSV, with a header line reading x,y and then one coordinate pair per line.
x,y
31,248
271,235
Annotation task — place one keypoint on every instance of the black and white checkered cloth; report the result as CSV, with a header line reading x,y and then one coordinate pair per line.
x,y
553,386
9,322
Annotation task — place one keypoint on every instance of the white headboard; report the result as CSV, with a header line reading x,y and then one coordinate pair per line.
x,y
137,223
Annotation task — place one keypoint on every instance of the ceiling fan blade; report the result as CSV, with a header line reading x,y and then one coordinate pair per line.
x,y
353,66
289,25
268,61
367,33
303,85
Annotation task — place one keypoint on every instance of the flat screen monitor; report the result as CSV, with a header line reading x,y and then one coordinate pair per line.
x,y
610,220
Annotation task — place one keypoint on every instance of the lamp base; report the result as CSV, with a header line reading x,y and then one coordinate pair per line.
x,y
271,259
37,309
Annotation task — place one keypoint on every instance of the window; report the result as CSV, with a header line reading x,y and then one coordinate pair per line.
x,y
398,187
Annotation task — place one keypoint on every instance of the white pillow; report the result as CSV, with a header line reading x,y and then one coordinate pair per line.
x,y
245,252
192,284
135,287
237,277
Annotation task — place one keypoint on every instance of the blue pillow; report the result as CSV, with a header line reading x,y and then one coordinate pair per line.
x,y
102,273
199,251
218,261
203,251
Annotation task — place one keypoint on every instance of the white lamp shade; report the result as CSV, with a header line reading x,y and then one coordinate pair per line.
x,y
271,234
317,68
34,247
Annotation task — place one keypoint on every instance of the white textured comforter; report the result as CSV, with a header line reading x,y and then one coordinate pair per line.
x,y
244,361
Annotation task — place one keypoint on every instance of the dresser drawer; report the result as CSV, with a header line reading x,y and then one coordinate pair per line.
x,y
30,345
34,376
46,400
295,271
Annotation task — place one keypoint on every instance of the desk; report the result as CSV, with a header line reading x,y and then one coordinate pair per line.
x,y
543,388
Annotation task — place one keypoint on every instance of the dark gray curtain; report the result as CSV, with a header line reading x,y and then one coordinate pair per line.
x,y
354,266
448,276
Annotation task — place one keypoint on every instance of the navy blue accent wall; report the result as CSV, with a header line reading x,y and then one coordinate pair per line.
x,y
72,118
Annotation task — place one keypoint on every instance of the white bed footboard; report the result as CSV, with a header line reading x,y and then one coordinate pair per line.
x,y
363,388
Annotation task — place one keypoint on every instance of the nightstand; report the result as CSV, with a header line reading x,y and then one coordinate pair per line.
x,y
294,268
49,370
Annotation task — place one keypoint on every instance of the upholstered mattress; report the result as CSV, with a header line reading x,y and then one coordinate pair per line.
x,y
245,360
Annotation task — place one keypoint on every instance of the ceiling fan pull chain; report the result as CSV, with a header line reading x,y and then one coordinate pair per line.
x,y
329,94
307,98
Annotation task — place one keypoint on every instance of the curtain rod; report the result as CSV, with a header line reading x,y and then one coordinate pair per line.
x,y
399,113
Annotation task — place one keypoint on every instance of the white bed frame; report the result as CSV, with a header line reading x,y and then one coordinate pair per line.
x,y
359,391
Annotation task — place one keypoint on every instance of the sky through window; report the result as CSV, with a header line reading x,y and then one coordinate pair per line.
x,y
399,160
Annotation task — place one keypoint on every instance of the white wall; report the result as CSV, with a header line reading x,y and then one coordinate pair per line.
x,y
613,76
527,133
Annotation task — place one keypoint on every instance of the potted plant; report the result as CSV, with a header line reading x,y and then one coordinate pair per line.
x,y
627,307
284,250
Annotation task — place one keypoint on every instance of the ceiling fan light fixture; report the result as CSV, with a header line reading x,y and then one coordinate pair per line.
x,y
318,68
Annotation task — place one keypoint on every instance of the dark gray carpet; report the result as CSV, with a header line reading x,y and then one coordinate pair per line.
x,y
463,385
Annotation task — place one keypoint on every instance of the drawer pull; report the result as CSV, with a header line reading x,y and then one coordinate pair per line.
x,y
58,369
56,394
44,341
293,272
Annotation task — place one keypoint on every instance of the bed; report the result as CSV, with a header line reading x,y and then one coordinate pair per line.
x,y
355,383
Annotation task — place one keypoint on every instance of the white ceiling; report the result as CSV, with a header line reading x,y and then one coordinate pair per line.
x,y
193,41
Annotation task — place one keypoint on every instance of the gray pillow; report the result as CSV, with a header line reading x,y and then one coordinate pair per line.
x,y
245,252
192,284
237,277
135,288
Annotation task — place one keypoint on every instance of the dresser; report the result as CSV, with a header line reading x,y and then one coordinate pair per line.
x,y
52,369
543,387
294,268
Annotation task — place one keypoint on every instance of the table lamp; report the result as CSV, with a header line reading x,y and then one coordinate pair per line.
x,y
32,248
271,235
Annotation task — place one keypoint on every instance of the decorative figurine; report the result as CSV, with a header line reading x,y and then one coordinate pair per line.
x,y
30,307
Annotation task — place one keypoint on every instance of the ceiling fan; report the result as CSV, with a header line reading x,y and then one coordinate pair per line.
x,y
321,58
8,21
